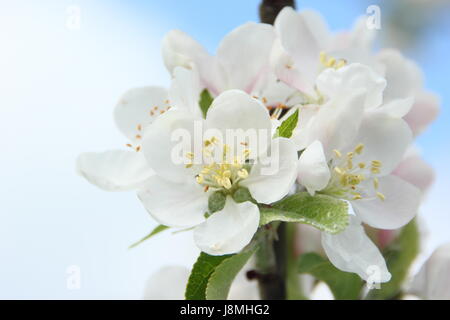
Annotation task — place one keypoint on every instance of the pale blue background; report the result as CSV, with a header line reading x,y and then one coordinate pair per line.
x,y
57,91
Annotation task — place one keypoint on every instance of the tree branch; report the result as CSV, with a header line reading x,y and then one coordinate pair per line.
x,y
269,9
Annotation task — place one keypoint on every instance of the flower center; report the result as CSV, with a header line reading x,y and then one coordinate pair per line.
x,y
331,62
221,168
348,175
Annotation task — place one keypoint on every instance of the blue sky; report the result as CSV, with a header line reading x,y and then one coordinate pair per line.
x,y
57,91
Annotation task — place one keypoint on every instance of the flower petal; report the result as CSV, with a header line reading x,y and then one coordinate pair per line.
x,y
180,50
343,81
400,205
397,108
168,283
424,110
174,204
402,75
337,122
114,170
166,142
313,171
234,111
432,282
276,173
416,171
296,63
353,251
184,92
135,110
385,139
229,230
244,55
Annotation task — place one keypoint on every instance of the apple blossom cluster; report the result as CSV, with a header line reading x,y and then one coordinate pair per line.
x,y
280,113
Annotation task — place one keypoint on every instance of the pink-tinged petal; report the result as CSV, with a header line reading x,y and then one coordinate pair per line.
x,y
244,55
416,171
180,50
287,71
433,281
296,57
229,230
174,204
400,205
114,170
424,111
137,108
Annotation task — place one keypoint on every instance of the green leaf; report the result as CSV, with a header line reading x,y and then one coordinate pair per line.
x,y
201,271
220,281
287,126
324,212
399,256
157,230
205,101
343,285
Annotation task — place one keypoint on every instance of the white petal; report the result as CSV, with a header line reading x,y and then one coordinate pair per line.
x,y
433,281
185,90
353,251
384,138
235,110
229,230
180,50
301,134
174,204
244,55
134,111
337,122
272,177
313,171
397,108
424,110
286,70
301,38
115,170
168,283
401,204
166,142
343,81
402,75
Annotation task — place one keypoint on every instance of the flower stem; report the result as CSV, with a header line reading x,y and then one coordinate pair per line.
x,y
271,263
269,9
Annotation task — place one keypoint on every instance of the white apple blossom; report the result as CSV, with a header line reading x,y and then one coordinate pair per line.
x,y
352,159
305,46
121,169
242,62
178,194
